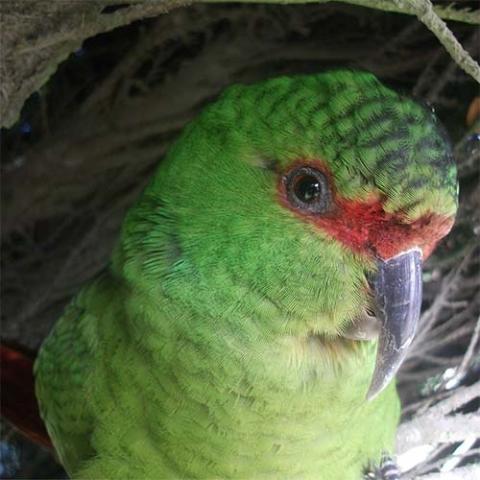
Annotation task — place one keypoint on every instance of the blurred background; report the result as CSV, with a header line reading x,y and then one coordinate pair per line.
x,y
87,141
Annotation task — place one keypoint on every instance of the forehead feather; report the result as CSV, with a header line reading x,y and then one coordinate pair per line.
x,y
371,138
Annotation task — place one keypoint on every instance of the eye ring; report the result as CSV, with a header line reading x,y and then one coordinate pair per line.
x,y
308,190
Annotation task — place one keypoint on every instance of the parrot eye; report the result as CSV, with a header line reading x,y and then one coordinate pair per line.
x,y
307,189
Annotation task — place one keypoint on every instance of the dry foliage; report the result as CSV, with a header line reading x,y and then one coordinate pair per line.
x,y
89,138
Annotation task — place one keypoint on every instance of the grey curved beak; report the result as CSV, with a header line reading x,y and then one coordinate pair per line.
x,y
398,298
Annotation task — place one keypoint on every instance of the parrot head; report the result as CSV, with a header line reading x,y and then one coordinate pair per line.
x,y
307,202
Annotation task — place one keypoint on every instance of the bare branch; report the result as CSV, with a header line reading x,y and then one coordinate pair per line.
x,y
468,472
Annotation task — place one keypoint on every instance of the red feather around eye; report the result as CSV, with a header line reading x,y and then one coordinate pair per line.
x,y
364,226
18,402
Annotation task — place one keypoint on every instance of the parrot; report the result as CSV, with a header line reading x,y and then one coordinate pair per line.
x,y
264,291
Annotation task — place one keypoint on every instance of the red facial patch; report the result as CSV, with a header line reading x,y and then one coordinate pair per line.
x,y
365,227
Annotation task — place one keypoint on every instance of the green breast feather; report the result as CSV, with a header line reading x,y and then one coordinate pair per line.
x,y
231,336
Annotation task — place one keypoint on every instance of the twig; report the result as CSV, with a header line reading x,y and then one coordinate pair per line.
x,y
426,76
403,6
448,74
468,472
470,351
403,36
427,15
450,283
437,425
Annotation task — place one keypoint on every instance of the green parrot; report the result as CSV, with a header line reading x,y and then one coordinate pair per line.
x,y
263,292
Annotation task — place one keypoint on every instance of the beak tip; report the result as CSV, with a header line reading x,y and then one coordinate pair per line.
x,y
371,394
380,380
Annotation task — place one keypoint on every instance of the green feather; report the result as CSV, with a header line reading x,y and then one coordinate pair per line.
x,y
210,346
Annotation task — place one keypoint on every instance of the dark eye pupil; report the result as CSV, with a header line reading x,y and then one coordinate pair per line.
x,y
308,189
